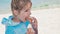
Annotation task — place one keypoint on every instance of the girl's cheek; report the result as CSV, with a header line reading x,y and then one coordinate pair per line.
x,y
27,14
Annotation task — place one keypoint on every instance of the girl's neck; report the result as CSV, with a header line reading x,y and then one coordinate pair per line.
x,y
16,20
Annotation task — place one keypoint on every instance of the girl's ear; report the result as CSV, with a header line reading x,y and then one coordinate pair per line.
x,y
15,12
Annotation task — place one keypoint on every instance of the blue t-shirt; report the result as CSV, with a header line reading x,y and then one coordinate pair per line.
x,y
15,28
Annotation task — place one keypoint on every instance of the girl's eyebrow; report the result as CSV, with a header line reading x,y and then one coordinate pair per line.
x,y
29,9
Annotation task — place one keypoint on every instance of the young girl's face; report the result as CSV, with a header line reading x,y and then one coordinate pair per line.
x,y
26,12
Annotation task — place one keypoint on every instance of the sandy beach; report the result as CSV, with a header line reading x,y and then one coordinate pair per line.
x,y
48,21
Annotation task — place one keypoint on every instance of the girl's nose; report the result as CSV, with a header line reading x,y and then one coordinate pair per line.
x,y
30,13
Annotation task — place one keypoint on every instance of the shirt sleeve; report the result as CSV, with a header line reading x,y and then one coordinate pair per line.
x,y
4,20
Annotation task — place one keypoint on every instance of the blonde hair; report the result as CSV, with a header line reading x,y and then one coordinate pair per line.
x,y
18,4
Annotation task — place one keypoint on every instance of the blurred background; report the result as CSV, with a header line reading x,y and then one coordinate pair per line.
x,y
37,4
47,13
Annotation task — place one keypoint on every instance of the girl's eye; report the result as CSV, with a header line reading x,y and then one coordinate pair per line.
x,y
26,11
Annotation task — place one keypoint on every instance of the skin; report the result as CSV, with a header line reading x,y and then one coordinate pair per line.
x,y
34,23
25,15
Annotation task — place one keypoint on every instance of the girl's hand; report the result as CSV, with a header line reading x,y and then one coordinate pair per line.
x,y
33,21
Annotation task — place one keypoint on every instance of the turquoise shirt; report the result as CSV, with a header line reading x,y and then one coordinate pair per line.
x,y
15,28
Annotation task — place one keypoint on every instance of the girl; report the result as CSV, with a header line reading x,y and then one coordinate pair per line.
x,y
20,22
